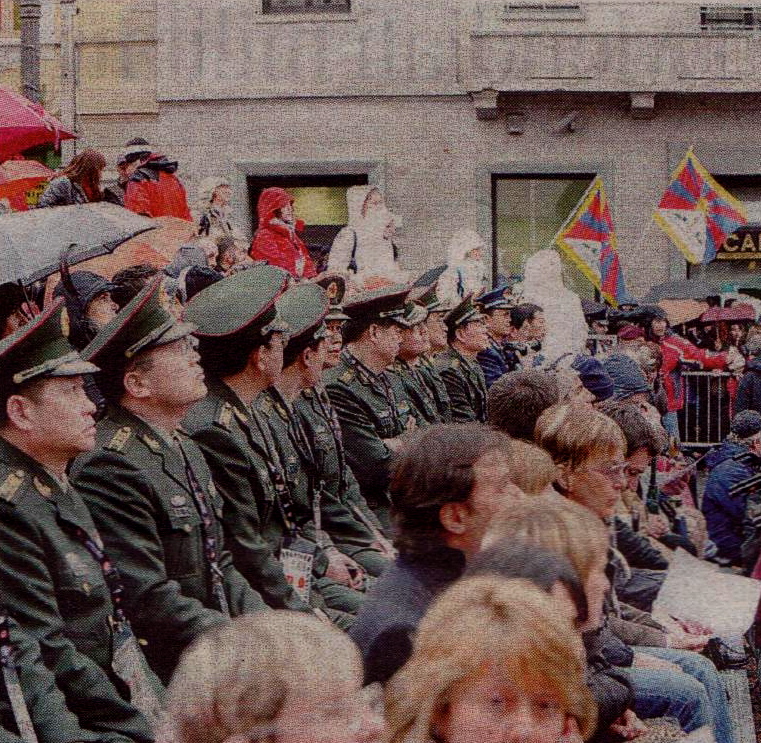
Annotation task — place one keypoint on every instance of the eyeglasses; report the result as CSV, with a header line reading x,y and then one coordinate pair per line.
x,y
612,472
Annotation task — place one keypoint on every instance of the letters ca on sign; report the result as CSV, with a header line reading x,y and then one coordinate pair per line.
x,y
745,244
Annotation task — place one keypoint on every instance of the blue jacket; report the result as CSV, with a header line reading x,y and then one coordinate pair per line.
x,y
395,605
725,450
724,513
493,363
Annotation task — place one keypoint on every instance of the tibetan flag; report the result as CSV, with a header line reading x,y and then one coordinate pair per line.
x,y
697,213
589,240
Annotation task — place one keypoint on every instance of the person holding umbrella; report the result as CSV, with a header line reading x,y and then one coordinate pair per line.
x,y
77,183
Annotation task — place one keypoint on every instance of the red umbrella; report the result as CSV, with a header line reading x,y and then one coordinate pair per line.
x,y
24,124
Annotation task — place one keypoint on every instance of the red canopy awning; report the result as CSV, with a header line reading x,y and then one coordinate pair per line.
x,y
24,124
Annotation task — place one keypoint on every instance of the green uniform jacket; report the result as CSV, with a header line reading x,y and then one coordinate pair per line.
x,y
422,401
301,474
53,721
58,593
368,415
232,443
435,383
465,385
137,489
346,514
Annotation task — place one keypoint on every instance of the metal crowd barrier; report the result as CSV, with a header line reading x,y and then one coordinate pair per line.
x,y
704,420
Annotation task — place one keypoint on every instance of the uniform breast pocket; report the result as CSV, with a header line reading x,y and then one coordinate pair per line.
x,y
385,425
182,545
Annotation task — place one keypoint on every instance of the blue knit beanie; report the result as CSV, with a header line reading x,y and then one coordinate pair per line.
x,y
594,377
627,375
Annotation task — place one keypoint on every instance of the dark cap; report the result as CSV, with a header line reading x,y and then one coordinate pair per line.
x,y
88,285
462,314
414,314
41,349
381,304
334,284
493,299
745,424
240,305
303,308
594,377
144,323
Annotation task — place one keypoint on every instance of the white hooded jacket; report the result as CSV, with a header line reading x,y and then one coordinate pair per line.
x,y
374,254
463,275
564,317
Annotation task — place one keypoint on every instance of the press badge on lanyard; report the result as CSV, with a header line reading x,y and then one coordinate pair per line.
x,y
130,666
13,686
297,558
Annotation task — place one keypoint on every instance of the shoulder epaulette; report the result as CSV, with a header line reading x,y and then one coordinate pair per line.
x,y
120,438
225,417
11,484
150,442
44,490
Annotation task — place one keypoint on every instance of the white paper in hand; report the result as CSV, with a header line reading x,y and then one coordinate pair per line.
x,y
696,590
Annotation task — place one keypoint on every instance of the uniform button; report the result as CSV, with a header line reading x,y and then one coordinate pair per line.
x,y
187,527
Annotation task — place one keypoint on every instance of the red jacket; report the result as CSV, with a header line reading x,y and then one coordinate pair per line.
x,y
676,351
276,242
154,190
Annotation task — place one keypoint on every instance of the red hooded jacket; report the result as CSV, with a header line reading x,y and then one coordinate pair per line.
x,y
276,242
154,190
677,353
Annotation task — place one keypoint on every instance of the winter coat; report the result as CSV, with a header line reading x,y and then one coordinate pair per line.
x,y
62,192
725,513
749,390
360,248
463,275
677,352
276,241
636,548
567,330
725,450
154,190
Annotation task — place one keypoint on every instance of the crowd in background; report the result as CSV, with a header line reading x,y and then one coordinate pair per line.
x,y
354,504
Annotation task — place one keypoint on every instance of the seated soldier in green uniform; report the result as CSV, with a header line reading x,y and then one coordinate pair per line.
x,y
148,487
372,408
54,570
415,342
32,707
242,354
437,339
303,310
462,374
349,536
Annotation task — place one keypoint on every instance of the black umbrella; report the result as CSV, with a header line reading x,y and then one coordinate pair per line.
x,y
31,243
684,289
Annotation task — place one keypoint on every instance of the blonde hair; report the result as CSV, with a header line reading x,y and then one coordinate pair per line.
x,y
483,620
573,434
239,675
531,468
556,525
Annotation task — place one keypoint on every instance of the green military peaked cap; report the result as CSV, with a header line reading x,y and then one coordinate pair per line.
x,y
381,304
144,323
303,308
413,315
41,349
463,313
430,300
239,305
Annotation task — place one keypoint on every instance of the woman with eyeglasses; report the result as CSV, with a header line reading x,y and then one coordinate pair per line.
x,y
589,450
273,677
493,662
